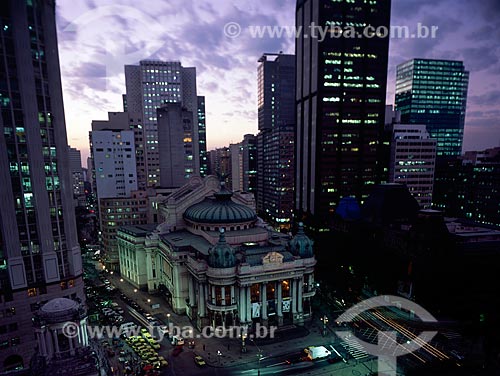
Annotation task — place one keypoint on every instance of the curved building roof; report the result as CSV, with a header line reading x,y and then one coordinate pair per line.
x,y
219,210
59,305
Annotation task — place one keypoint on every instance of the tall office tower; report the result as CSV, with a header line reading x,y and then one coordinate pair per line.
x,y
413,158
39,253
177,145
244,164
123,121
434,93
276,116
202,136
151,85
77,175
340,98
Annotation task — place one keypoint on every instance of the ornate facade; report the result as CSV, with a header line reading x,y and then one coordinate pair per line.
x,y
217,262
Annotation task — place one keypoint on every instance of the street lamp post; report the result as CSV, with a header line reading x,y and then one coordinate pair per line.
x,y
325,321
219,354
168,319
243,344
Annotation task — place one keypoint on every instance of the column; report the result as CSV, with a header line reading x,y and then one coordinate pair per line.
x,y
201,289
264,300
56,341
149,269
41,341
293,296
233,301
71,346
85,334
279,302
223,294
192,298
213,295
248,300
300,287
242,308
49,344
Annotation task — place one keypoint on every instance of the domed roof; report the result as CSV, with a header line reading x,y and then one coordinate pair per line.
x,y
59,305
219,210
301,245
221,255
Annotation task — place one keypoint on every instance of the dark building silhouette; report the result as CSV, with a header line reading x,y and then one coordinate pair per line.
x,y
469,187
275,141
40,256
340,108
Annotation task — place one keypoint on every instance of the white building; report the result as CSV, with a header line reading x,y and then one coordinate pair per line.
x,y
213,259
413,157
113,154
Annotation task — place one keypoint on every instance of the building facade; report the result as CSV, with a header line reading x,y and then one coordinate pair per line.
x,y
116,212
468,187
434,93
77,176
202,136
39,252
151,85
113,155
176,145
244,164
340,108
413,159
275,141
123,121
213,259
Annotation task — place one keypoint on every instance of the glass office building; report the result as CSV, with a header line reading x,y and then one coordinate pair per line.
x,y
340,104
434,93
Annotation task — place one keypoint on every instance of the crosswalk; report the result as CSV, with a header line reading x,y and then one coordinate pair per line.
x,y
354,348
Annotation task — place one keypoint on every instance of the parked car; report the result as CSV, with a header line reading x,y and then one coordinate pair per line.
x,y
200,362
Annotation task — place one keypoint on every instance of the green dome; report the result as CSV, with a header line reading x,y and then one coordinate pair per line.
x,y
219,210
221,255
301,245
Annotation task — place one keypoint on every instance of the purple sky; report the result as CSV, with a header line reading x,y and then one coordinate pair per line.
x,y
97,37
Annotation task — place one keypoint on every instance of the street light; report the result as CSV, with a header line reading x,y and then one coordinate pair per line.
x,y
219,354
149,300
121,279
325,321
168,319
135,290
243,344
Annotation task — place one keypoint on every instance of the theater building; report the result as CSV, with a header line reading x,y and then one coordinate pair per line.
x,y
216,261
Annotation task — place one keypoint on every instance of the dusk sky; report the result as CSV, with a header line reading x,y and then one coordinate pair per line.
x,y
98,37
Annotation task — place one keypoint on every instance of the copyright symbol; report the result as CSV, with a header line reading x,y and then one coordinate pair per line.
x,y
232,30
70,330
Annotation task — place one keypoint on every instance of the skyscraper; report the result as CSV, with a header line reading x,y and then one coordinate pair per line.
x,y
177,141
340,104
151,85
434,93
244,164
276,115
77,175
39,253
413,158
202,136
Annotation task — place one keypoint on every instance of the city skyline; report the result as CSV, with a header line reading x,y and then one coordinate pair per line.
x,y
227,66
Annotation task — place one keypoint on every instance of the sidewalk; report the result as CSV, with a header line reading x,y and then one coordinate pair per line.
x,y
230,348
